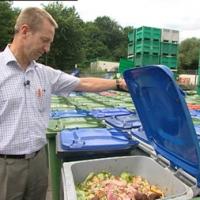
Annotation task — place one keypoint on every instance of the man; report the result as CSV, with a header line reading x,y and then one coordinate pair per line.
x,y
25,94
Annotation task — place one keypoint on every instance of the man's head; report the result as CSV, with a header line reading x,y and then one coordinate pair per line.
x,y
34,18
34,32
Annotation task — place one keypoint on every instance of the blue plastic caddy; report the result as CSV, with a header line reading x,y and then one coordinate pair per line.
x,y
109,112
124,121
88,143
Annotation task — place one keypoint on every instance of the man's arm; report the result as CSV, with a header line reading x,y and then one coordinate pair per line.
x,y
100,84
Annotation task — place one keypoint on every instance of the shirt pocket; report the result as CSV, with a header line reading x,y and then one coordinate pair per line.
x,y
42,99
9,101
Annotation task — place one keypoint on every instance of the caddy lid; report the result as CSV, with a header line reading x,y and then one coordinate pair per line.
x,y
108,112
124,121
165,116
57,114
96,139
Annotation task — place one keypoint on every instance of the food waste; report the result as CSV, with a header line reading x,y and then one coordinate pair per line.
x,y
105,186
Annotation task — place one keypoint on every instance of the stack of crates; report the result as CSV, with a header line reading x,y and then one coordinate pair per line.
x,y
148,45
169,48
131,45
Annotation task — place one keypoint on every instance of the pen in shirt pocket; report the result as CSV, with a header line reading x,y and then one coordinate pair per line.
x,y
40,92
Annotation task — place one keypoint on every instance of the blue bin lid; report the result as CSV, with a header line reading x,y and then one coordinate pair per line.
x,y
195,113
57,114
108,112
87,139
165,116
124,121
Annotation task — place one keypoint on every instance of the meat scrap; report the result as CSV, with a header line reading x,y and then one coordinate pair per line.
x,y
105,186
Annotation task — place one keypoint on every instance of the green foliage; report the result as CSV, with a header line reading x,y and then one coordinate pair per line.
x,y
94,46
104,39
78,42
112,35
66,50
7,16
189,51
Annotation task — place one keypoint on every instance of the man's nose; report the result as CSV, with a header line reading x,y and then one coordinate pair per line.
x,y
46,48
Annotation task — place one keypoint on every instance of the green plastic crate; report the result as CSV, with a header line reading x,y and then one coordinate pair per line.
x,y
93,106
131,49
196,121
146,59
54,127
125,64
148,32
74,122
148,46
57,106
131,36
194,99
168,48
131,58
169,61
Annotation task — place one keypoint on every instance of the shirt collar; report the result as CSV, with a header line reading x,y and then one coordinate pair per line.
x,y
10,58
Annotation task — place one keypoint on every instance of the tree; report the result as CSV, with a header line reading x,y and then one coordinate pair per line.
x,y
93,44
112,35
104,39
7,16
66,49
189,51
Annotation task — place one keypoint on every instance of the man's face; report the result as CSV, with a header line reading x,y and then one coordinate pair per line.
x,y
39,42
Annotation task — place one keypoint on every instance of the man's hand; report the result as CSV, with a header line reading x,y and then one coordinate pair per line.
x,y
121,84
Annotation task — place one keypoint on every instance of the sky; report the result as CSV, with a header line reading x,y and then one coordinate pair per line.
x,y
181,15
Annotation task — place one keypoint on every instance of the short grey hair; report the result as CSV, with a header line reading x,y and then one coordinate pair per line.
x,y
34,18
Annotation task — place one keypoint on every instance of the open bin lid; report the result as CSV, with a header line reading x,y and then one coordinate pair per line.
x,y
95,139
165,116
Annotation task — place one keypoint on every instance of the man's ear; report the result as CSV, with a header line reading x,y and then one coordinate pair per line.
x,y
25,29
